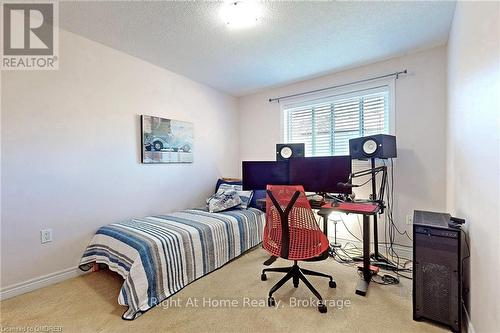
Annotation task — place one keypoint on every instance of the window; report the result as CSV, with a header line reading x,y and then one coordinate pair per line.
x,y
325,125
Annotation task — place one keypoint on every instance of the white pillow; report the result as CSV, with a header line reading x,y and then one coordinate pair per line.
x,y
245,196
223,200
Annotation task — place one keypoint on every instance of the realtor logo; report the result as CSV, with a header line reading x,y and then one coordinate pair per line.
x,y
30,36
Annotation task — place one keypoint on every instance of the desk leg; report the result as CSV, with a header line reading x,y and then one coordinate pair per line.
x,y
325,225
363,283
324,216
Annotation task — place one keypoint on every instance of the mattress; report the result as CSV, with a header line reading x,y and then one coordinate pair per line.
x,y
159,255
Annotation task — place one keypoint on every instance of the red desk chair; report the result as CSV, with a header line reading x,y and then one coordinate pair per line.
x,y
292,233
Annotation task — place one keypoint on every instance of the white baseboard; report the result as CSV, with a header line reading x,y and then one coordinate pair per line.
x,y
39,282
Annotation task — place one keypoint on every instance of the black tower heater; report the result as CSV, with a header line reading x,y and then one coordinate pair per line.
x,y
438,275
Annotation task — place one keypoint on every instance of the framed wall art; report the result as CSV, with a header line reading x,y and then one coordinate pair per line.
x,y
166,140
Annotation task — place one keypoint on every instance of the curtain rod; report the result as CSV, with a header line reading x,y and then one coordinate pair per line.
x,y
396,74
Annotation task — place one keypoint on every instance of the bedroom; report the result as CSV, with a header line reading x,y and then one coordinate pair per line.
x,y
137,109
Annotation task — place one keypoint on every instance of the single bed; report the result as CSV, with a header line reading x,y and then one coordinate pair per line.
x,y
159,255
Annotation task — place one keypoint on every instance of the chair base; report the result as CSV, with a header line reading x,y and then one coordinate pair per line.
x,y
296,274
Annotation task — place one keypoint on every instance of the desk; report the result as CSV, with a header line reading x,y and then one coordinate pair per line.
x,y
367,210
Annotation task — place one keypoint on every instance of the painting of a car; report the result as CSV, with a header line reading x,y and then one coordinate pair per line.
x,y
166,140
167,143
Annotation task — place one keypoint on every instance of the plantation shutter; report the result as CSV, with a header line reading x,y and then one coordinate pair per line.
x,y
326,127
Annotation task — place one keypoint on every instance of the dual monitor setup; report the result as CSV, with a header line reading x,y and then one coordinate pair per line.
x,y
327,174
332,176
315,174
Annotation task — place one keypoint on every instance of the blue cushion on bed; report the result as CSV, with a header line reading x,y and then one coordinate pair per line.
x,y
257,194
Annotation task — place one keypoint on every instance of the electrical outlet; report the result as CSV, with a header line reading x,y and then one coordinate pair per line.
x,y
409,219
46,236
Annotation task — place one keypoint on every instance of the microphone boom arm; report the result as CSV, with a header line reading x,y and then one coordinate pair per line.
x,y
373,172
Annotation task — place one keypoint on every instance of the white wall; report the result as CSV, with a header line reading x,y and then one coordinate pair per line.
x,y
474,150
71,151
420,169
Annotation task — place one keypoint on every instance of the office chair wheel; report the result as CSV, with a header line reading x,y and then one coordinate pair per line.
x,y
322,308
263,277
332,284
271,301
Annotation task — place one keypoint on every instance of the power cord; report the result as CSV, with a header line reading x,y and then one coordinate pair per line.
x,y
385,279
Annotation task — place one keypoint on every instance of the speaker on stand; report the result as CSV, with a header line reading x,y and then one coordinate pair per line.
x,y
381,146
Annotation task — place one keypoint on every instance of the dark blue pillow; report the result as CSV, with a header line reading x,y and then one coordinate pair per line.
x,y
232,182
257,194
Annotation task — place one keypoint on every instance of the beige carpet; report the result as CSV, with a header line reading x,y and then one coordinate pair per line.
x,y
220,302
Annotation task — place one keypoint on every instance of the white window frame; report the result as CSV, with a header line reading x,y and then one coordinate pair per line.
x,y
341,93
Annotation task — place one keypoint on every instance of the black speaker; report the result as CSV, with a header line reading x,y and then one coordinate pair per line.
x,y
286,151
438,269
376,146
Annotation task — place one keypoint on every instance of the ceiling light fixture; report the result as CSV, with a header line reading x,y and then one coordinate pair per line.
x,y
240,14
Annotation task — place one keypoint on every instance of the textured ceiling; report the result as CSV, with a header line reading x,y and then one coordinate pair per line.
x,y
292,41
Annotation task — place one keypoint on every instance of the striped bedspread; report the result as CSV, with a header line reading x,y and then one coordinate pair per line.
x,y
159,255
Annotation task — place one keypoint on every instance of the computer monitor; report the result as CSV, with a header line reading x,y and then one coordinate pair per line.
x,y
321,174
258,174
